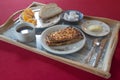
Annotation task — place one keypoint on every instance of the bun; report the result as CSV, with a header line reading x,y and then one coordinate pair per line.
x,y
49,10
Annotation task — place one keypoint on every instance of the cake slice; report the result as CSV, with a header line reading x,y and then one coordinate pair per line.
x,y
65,36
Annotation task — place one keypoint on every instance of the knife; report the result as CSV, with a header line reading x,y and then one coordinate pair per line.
x,y
103,42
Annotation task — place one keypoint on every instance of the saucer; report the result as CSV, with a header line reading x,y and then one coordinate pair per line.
x,y
105,28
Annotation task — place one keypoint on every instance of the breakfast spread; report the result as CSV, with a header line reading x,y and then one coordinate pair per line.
x,y
60,39
28,16
49,10
64,36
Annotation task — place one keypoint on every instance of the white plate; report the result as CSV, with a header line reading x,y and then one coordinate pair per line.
x,y
65,49
104,32
45,23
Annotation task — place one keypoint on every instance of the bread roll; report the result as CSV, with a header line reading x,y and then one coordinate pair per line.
x,y
49,10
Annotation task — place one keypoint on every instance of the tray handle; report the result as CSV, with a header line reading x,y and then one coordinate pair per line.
x,y
10,21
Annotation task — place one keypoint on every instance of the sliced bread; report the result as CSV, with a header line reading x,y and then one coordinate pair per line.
x,y
49,10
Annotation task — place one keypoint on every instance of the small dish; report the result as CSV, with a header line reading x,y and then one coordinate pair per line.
x,y
72,16
105,28
64,49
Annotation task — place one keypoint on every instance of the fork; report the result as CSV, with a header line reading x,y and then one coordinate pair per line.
x,y
90,53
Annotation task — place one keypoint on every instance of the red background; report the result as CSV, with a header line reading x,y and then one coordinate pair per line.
x,y
19,64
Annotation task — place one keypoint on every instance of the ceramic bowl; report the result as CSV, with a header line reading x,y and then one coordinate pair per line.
x,y
72,16
25,32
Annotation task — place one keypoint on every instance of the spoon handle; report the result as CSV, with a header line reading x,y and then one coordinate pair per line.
x,y
90,53
97,58
103,42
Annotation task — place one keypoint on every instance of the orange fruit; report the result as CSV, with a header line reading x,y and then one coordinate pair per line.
x,y
33,21
25,17
28,16
29,12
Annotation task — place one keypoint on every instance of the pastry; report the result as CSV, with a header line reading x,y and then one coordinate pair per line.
x,y
65,36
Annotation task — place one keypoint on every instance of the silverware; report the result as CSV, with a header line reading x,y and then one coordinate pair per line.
x,y
103,42
38,42
90,53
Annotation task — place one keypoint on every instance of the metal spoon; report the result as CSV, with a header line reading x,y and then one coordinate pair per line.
x,y
90,53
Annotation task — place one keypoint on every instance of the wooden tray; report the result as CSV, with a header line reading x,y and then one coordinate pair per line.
x,y
101,70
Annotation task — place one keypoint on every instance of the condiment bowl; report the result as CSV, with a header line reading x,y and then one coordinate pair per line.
x,y
72,16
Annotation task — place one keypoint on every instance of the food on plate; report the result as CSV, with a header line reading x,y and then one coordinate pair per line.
x,y
49,10
29,12
95,28
64,36
71,16
28,16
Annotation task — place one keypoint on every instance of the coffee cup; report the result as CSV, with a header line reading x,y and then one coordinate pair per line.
x,y
25,32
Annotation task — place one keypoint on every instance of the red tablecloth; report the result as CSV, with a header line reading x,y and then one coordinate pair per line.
x,y
19,64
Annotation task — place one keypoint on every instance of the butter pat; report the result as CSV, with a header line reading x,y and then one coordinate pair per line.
x,y
95,28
